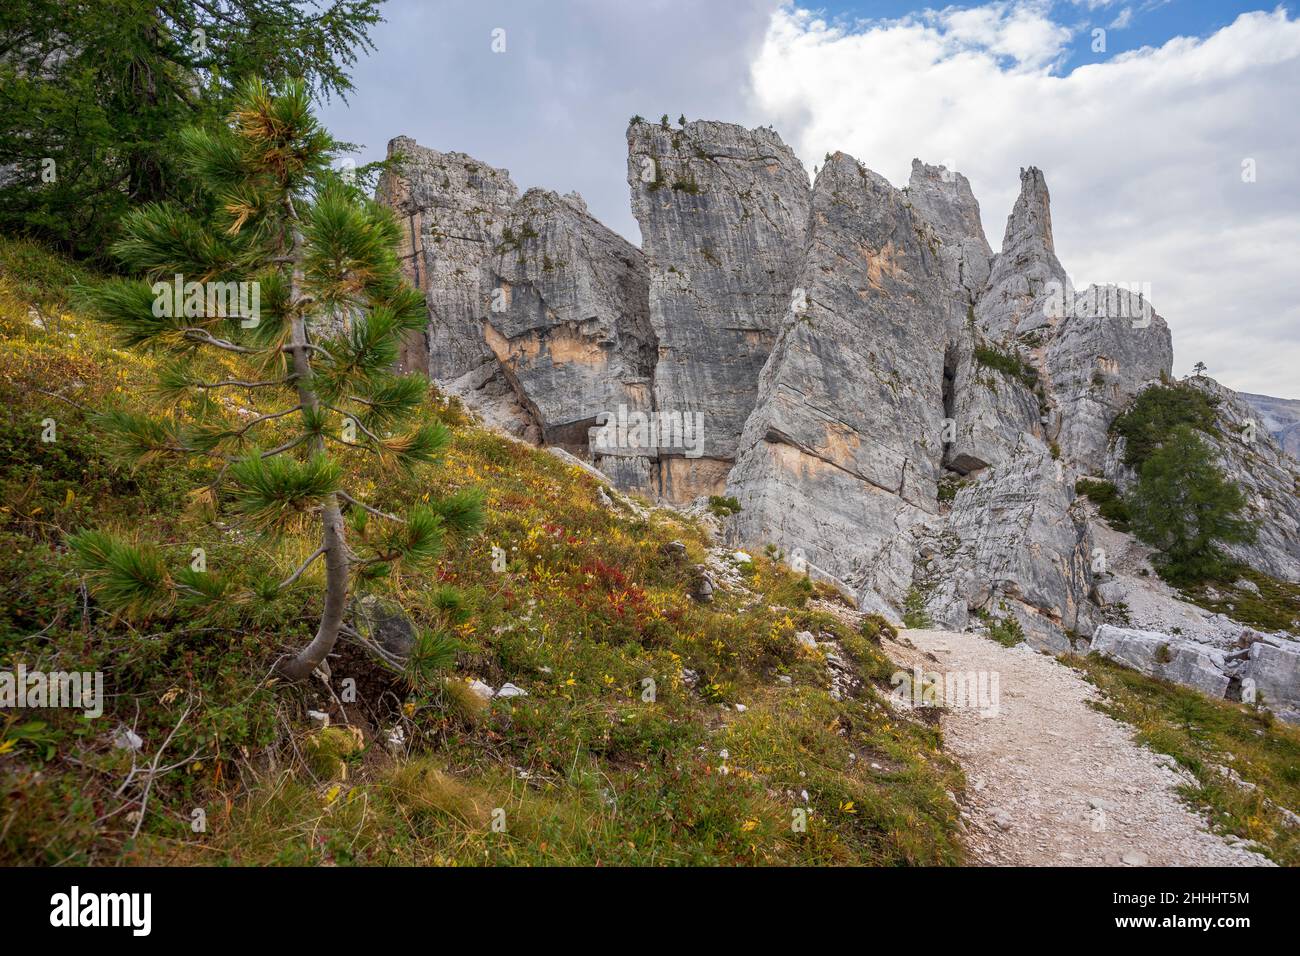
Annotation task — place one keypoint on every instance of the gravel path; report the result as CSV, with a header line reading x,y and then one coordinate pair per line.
x,y
1050,780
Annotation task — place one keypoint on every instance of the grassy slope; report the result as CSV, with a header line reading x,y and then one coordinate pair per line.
x,y
1274,605
582,771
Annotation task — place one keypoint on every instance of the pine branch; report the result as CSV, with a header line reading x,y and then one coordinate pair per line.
x,y
374,511
301,568
356,421
240,383
239,433
280,449
357,446
204,337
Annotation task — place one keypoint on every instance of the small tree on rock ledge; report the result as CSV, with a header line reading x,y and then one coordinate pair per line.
x,y
317,350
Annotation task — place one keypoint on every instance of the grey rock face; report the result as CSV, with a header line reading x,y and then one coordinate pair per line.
x,y
1281,416
875,387
990,411
1253,461
1022,275
842,452
1108,345
723,211
454,210
570,327
944,199
1013,543
538,313
1169,658
1094,350
1275,671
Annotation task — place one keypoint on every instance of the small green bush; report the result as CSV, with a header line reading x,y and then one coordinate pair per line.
x,y
949,485
1006,630
1008,363
874,627
1108,499
914,613
723,507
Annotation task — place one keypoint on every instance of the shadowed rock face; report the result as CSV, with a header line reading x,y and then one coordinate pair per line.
x,y
538,314
723,212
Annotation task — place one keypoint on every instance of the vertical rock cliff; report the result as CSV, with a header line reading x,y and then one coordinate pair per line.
x,y
843,451
878,389
538,314
723,214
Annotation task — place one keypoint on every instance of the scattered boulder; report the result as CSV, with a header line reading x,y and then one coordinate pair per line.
x,y
675,550
703,587
384,623
127,739
1275,671
1166,657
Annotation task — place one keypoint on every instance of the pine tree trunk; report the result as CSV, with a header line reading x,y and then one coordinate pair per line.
x,y
333,535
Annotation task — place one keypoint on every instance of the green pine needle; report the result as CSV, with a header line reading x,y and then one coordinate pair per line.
x,y
461,512
418,541
128,578
420,446
434,653
135,440
271,491
393,398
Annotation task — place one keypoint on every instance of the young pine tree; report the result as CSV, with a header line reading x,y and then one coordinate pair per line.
x,y
1184,506
317,355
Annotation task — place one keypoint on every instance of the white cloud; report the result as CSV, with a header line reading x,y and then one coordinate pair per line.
x,y
1123,20
1143,153
1022,31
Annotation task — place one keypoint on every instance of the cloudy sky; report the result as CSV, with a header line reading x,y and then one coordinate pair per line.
x,y
1167,129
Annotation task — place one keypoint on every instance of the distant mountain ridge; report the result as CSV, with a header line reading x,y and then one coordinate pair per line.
x,y
1281,416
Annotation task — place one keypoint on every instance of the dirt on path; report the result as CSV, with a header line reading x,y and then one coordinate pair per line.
x,y
1052,781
